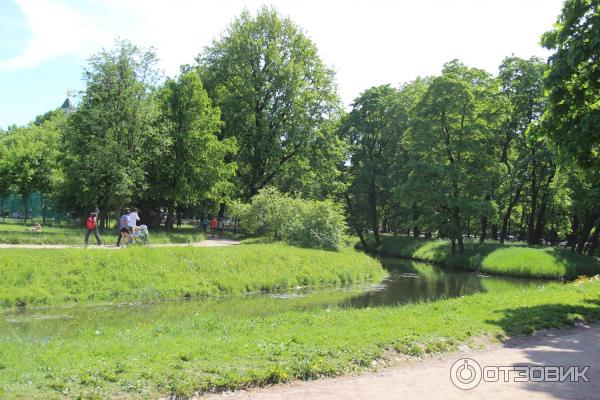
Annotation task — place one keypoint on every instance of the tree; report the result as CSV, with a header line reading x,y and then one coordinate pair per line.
x,y
191,167
573,116
453,144
111,136
277,99
573,82
373,129
29,161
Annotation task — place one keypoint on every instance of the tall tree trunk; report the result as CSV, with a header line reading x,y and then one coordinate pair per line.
x,y
594,240
482,235
374,216
533,205
572,241
453,241
506,220
522,227
461,245
358,231
584,233
494,232
540,220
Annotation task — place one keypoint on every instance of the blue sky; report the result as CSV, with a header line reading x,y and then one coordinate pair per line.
x,y
44,44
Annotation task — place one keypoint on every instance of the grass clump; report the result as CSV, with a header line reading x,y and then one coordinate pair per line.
x,y
206,352
17,233
61,276
494,258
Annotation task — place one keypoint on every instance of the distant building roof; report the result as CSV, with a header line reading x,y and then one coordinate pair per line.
x,y
67,106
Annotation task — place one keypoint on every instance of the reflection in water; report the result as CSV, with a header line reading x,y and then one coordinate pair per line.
x,y
408,281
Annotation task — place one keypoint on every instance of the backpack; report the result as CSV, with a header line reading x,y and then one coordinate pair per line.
x,y
90,223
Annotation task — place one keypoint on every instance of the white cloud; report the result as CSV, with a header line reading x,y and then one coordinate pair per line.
x,y
56,30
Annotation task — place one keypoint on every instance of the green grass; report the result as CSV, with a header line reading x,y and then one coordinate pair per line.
x,y
17,233
203,352
61,276
494,258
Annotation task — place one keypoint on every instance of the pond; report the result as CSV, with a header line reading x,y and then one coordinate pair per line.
x,y
408,282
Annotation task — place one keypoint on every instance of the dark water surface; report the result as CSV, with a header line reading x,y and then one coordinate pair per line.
x,y
408,281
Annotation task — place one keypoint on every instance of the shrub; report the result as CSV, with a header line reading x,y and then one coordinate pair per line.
x,y
305,223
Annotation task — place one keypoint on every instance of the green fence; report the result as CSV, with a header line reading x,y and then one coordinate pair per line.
x,y
12,207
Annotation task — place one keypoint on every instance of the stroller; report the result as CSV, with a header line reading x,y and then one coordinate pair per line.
x,y
141,234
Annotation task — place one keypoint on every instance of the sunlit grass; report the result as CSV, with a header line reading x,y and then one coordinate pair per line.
x,y
57,276
494,258
190,352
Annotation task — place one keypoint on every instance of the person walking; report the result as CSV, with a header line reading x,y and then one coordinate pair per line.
x,y
134,217
221,227
91,224
213,226
124,228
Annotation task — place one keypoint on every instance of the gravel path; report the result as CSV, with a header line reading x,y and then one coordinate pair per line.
x,y
430,378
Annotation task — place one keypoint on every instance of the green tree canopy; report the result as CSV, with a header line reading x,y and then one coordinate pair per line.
x,y
112,136
277,98
573,82
191,167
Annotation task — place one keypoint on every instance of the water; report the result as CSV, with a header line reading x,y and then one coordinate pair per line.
x,y
408,282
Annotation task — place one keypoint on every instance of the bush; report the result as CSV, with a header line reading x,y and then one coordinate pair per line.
x,y
313,224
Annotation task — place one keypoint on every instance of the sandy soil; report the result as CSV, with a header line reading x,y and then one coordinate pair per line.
x,y
430,378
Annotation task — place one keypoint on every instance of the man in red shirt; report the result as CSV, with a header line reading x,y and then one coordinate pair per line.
x,y
213,226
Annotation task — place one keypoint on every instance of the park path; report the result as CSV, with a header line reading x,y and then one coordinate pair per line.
x,y
430,378
203,243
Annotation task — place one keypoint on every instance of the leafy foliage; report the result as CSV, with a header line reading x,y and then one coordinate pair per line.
x,y
277,99
315,224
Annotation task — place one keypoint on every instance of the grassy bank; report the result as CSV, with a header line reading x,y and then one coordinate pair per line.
x,y
18,233
200,352
494,258
43,277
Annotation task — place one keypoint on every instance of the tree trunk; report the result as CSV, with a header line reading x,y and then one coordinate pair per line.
x,y
533,206
594,240
494,232
453,241
522,228
461,245
584,234
374,217
358,231
416,231
506,219
482,235
572,241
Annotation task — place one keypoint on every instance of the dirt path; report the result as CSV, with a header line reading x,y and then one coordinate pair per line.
x,y
204,243
430,378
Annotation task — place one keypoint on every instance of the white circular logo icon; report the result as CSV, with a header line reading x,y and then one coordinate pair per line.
x,y
465,373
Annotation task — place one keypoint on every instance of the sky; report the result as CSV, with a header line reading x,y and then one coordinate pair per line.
x,y
44,44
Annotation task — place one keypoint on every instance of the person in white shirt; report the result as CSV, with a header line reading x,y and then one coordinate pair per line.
x,y
134,217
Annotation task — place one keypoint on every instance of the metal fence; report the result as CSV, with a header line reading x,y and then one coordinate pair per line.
x,y
12,206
